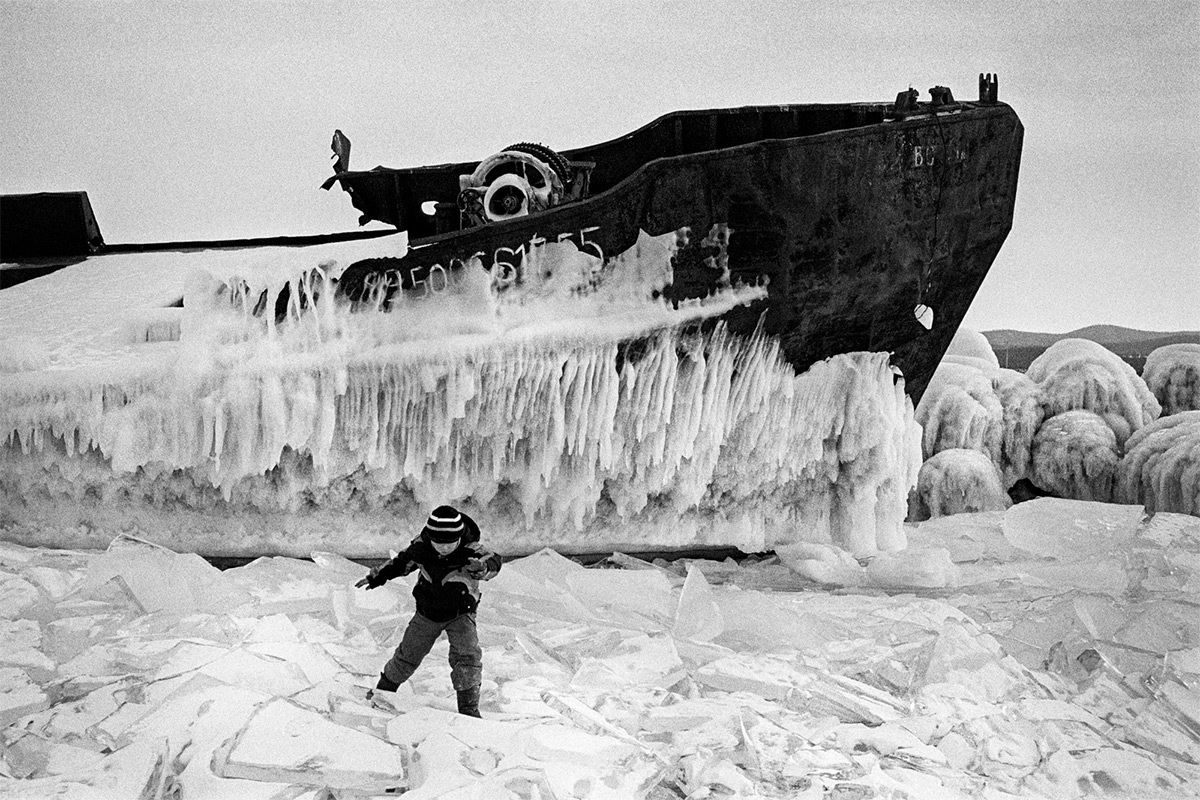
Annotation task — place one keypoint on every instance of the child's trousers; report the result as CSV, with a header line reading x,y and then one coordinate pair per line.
x,y
466,657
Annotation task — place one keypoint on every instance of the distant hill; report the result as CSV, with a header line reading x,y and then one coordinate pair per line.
x,y
1017,349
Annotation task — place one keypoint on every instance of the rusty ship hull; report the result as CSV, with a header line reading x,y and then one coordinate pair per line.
x,y
865,224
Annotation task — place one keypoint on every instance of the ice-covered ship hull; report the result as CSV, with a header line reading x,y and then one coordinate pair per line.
x,y
872,226
690,340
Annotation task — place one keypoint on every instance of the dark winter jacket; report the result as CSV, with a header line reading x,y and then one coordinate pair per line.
x,y
444,589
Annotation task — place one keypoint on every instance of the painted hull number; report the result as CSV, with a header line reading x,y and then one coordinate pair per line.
x,y
926,155
508,265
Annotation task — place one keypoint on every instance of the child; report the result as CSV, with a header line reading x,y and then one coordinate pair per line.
x,y
452,564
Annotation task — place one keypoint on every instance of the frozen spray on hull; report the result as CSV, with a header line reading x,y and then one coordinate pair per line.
x,y
702,352
584,411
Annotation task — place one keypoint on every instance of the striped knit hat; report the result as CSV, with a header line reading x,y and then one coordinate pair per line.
x,y
445,524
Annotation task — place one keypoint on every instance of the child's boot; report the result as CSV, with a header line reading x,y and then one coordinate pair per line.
x,y
385,684
468,701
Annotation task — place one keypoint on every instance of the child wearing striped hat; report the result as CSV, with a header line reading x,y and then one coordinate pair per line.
x,y
451,563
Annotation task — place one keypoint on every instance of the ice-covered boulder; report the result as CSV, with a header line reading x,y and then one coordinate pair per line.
x,y
1081,374
959,409
1075,455
958,481
1161,467
1023,412
972,348
1172,373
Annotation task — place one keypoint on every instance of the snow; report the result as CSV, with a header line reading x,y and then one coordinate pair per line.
x,y
580,410
1060,661
1172,373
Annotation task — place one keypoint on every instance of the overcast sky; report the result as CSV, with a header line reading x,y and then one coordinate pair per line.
x,y
213,119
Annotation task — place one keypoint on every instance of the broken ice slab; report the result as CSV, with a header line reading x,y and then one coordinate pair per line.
x,y
708,775
766,675
625,561
76,630
312,660
1036,708
912,569
162,580
775,678
886,739
270,628
1166,529
630,592
639,660
17,555
19,696
134,701
17,595
56,583
697,615
1185,700
977,536
197,718
442,767
281,585
181,657
686,714
581,764
287,743
1160,626
586,718
544,566
849,700
1107,576
779,753
268,674
190,703
1163,729
1119,772
32,756
73,719
20,646
351,712
1072,530
768,621
138,770
822,563
523,697
358,658
964,655
1186,662
413,728
341,567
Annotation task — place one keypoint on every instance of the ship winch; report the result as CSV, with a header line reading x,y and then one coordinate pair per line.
x,y
521,179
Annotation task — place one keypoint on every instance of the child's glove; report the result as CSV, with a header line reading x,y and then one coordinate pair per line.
x,y
475,568
370,581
